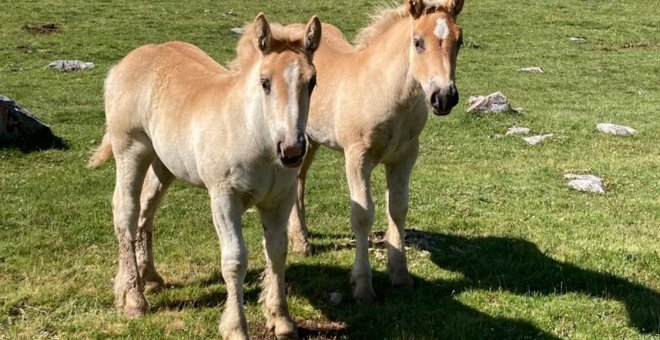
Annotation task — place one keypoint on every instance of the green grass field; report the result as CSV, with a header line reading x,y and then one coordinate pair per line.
x,y
515,253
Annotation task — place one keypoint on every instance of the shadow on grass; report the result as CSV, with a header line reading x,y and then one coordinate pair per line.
x,y
518,266
486,263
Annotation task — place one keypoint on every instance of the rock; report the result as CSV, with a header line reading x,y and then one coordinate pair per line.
x,y
614,129
588,183
21,128
515,130
577,38
534,69
533,140
495,102
71,65
238,30
334,298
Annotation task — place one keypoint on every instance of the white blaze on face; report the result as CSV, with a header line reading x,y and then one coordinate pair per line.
x,y
292,78
441,29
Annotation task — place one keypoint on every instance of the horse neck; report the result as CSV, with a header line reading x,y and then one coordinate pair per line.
x,y
389,55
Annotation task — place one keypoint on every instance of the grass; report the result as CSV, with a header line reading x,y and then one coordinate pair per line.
x,y
516,254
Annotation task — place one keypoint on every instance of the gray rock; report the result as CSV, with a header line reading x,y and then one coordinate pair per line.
x,y
335,298
616,129
515,130
588,183
534,69
533,140
492,103
238,30
71,65
21,128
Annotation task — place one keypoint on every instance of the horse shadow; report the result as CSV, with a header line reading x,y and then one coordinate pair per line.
x,y
484,263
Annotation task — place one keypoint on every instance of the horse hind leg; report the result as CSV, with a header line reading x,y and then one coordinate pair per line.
x,y
297,230
156,182
133,154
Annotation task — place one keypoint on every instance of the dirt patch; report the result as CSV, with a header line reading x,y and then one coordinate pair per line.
x,y
48,28
640,45
307,330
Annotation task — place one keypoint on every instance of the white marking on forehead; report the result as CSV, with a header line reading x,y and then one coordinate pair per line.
x,y
292,77
441,30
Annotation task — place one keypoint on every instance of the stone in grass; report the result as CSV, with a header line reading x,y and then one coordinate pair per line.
x,y
238,31
588,183
533,140
492,103
577,38
334,298
517,130
533,69
71,65
21,128
614,129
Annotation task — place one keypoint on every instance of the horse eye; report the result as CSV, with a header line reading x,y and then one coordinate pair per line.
x,y
419,44
265,84
311,85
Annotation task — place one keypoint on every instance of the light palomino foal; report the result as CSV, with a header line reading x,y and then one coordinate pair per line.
x,y
371,104
173,112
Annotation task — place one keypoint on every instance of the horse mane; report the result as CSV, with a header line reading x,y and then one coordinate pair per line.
x,y
283,38
385,16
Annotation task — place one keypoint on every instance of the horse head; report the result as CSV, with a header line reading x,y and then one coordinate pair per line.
x,y
286,78
436,40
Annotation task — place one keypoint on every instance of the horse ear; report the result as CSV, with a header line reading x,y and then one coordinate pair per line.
x,y
415,7
312,35
454,7
262,32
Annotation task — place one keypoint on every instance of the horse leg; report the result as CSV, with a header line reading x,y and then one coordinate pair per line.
x,y
156,182
358,173
298,234
227,213
273,295
398,180
132,157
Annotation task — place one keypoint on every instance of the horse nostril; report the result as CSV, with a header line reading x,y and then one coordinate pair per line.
x,y
436,99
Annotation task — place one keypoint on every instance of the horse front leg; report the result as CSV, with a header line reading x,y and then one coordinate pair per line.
x,y
156,182
358,173
273,296
398,183
227,213
298,233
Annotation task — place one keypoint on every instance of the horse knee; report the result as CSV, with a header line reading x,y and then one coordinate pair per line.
x,y
362,217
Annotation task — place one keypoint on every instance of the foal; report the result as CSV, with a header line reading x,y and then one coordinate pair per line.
x,y
173,112
371,105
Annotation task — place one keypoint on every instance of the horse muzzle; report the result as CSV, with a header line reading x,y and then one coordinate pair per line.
x,y
291,155
443,100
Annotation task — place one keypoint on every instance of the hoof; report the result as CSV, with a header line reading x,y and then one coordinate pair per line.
x,y
402,281
152,287
136,307
283,327
364,294
301,248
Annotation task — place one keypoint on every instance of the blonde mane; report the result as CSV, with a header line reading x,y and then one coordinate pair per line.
x,y
388,14
384,17
289,38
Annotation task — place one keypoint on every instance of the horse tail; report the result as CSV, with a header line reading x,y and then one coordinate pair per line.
x,y
101,153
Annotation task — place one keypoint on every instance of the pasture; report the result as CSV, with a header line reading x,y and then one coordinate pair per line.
x,y
511,252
